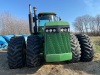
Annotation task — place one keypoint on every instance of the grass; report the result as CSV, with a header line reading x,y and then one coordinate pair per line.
x,y
96,42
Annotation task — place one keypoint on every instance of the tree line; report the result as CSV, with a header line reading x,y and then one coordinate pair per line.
x,y
83,24
87,24
12,25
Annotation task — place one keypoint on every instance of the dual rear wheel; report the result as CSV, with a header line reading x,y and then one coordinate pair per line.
x,y
18,57
82,48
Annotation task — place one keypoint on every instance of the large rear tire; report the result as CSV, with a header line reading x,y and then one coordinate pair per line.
x,y
15,52
75,47
87,50
33,49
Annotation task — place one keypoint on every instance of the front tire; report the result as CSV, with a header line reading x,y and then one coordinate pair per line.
x,y
33,58
15,52
75,47
86,47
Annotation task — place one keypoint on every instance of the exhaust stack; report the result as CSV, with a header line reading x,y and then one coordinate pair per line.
x,y
32,20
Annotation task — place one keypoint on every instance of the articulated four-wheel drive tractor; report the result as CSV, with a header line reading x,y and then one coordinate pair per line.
x,y
50,41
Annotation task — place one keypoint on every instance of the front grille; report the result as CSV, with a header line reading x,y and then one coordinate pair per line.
x,y
56,43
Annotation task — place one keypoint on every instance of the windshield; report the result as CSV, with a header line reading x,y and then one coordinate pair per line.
x,y
46,18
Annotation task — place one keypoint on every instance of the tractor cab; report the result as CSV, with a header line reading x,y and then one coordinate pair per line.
x,y
44,17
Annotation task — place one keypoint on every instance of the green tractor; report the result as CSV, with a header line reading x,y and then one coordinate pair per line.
x,y
50,40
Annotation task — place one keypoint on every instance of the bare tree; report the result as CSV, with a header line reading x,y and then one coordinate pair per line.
x,y
12,25
92,25
98,24
87,24
78,24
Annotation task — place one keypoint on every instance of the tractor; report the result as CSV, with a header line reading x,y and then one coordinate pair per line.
x,y
50,40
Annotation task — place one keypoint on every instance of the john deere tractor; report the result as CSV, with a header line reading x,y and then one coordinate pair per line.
x,y
50,40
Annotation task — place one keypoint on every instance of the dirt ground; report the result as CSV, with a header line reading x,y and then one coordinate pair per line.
x,y
81,68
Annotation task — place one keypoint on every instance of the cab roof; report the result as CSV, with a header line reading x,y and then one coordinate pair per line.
x,y
46,13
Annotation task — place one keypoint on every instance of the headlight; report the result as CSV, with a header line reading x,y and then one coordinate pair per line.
x,y
65,30
54,30
62,30
47,30
68,30
50,30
